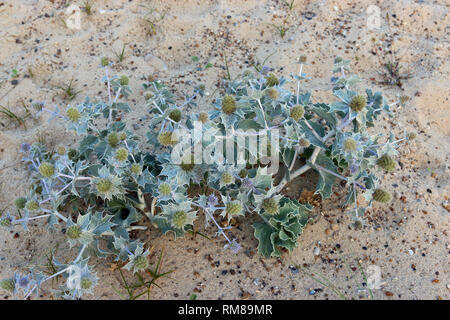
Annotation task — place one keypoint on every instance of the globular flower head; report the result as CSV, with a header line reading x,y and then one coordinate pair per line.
x,y
86,283
20,202
73,114
167,138
175,115
123,80
226,178
179,219
164,189
6,222
180,215
305,143
113,139
272,80
243,173
303,58
61,150
123,136
188,164
8,284
148,95
47,169
272,93
140,263
121,154
104,185
270,206
381,195
386,162
136,169
203,117
32,205
350,145
358,103
297,112
107,185
74,232
228,105
72,154
233,208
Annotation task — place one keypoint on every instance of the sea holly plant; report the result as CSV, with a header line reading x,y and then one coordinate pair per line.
x,y
214,166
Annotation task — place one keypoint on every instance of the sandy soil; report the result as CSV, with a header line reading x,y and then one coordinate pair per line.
x,y
408,240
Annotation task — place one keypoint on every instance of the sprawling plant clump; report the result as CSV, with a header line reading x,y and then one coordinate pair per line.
x,y
104,182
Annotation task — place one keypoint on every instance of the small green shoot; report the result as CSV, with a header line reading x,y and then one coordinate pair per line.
x,y
68,90
152,18
14,73
142,283
121,54
290,5
15,117
87,7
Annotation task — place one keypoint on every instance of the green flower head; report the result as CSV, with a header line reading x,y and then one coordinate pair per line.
x,y
73,114
188,165
5,222
20,202
233,208
148,95
243,173
272,93
107,185
32,205
121,154
228,105
270,206
226,178
203,117
123,80
8,285
61,151
140,263
272,80
165,189
136,169
74,232
167,138
358,103
386,162
305,143
104,185
86,283
175,115
179,219
381,196
297,112
47,169
113,139
349,145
